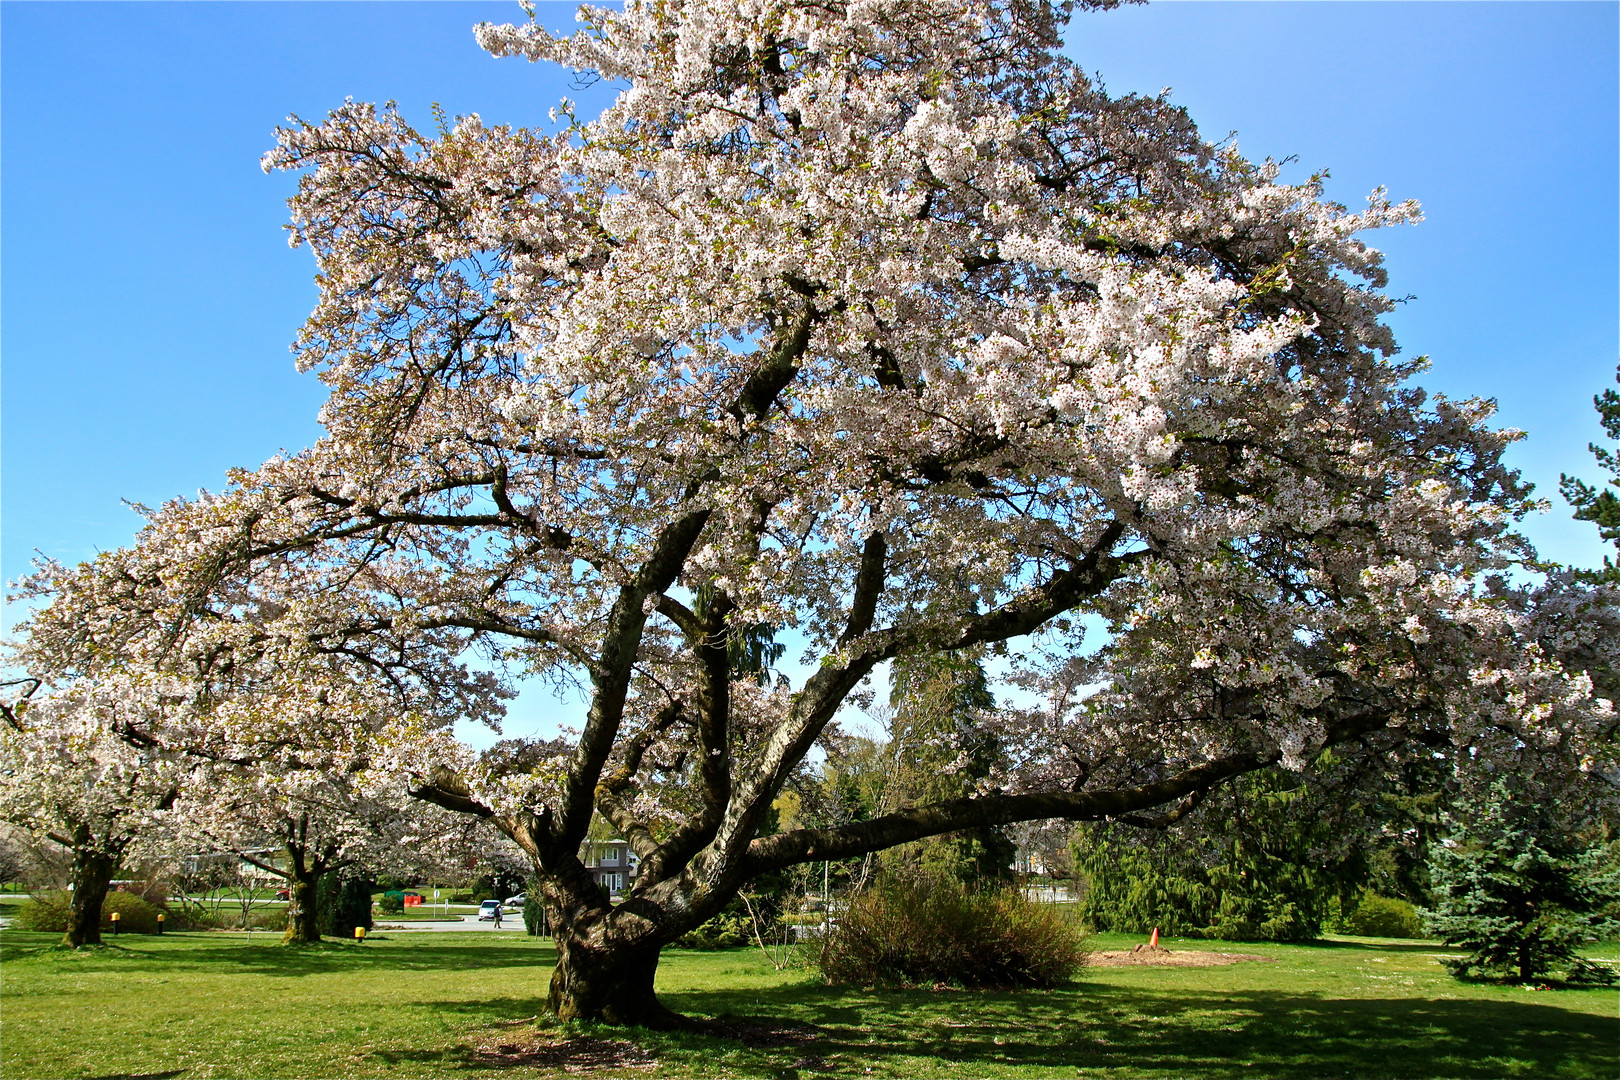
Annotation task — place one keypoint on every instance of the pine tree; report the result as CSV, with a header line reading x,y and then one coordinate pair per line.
x,y
1601,505
1248,869
1522,900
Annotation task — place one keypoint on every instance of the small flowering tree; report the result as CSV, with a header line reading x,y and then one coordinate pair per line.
x,y
327,811
881,322
290,740
71,776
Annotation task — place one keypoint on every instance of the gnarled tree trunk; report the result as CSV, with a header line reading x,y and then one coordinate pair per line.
x,y
606,975
92,874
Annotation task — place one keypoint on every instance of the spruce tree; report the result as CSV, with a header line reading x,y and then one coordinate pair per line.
x,y
1520,898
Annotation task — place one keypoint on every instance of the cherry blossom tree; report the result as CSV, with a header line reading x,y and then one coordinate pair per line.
x,y
319,809
72,777
878,322
292,740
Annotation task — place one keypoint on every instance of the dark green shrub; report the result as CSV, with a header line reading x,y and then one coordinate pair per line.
x,y
726,930
392,883
534,910
392,902
45,913
135,915
1384,916
921,932
49,912
344,903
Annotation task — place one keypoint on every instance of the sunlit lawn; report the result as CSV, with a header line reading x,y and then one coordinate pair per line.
x,y
230,1005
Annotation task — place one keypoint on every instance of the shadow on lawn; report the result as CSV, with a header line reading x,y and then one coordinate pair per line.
x,y
276,959
1224,1035
265,954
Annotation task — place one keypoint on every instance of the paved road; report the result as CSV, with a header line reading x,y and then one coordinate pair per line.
x,y
512,922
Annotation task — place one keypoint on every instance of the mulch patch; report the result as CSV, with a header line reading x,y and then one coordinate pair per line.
x,y
759,1033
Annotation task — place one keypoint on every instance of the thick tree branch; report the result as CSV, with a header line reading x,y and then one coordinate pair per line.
x,y
916,823
620,643
444,788
869,581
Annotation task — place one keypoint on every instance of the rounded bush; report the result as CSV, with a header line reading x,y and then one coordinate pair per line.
x,y
1384,916
49,913
44,913
923,932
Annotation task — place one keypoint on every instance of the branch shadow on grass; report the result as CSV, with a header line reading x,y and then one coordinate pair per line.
x,y
266,955
1226,1035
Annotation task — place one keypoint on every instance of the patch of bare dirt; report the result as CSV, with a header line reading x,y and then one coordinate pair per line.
x,y
1159,956
617,1057
585,1054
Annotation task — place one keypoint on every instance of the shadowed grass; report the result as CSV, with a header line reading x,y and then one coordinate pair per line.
x,y
221,1005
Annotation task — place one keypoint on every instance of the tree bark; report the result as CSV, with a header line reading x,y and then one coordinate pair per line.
x,y
602,976
303,926
92,874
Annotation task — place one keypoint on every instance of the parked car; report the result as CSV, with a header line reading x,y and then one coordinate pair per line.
x,y
488,909
515,902
283,894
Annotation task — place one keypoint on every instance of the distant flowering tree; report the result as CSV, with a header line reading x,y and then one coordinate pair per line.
x,y
290,743
71,774
881,322
326,812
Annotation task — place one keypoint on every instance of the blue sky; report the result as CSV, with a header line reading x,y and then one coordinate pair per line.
x,y
149,296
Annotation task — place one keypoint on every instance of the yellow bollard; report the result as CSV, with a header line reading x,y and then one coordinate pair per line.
x,y
115,918
161,917
360,935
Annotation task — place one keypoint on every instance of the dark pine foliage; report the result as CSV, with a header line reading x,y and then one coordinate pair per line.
x,y
1522,900
342,903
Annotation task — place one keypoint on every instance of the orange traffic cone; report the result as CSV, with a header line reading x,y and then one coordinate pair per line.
x,y
1154,942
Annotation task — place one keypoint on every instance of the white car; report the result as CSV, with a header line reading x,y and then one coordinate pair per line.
x,y
514,902
489,909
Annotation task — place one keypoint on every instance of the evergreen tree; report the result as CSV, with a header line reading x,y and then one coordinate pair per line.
x,y
1601,505
534,908
343,902
941,752
1521,898
1250,868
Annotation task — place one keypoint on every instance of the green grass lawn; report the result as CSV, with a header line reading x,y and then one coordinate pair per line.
x,y
225,1005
